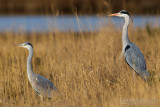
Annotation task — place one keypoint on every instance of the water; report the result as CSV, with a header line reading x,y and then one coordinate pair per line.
x,y
69,23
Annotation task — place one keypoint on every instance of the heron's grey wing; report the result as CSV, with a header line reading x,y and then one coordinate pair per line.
x,y
43,86
135,58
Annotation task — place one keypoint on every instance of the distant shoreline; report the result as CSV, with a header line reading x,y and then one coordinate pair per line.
x,y
70,7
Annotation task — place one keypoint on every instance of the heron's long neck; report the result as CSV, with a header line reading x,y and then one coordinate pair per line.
x,y
125,39
29,65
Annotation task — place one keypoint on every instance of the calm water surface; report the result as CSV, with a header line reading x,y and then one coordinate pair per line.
x,y
69,23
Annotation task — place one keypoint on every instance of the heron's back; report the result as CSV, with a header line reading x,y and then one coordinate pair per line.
x,y
43,86
136,60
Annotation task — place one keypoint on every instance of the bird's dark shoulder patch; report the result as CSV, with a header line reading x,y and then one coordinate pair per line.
x,y
127,47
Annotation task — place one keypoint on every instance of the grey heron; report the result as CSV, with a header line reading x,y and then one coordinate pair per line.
x,y
131,52
42,86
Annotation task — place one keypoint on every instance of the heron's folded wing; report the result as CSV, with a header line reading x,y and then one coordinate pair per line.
x,y
135,59
43,86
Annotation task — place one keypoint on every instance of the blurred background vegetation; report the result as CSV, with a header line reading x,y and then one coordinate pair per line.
x,y
68,7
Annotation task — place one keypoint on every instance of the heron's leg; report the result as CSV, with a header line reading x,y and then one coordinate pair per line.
x,y
133,76
133,73
41,98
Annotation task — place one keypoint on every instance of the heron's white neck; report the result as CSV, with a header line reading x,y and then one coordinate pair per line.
x,y
125,39
29,64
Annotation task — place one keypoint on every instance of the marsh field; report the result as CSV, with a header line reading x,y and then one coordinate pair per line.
x,y
85,67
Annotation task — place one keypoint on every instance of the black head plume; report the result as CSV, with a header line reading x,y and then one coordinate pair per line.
x,y
125,12
28,43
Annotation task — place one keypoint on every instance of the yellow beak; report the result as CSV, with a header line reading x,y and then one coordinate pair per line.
x,y
19,45
115,14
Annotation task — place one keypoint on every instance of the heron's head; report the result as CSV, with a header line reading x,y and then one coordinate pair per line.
x,y
122,13
25,45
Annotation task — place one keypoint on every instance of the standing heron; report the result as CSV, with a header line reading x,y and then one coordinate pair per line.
x,y
131,52
42,86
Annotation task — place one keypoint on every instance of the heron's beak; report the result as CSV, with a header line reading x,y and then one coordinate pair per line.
x,y
19,45
115,14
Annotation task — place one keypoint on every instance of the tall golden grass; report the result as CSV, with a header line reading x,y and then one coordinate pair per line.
x,y
87,70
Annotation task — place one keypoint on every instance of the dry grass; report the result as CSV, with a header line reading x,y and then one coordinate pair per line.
x,y
87,71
